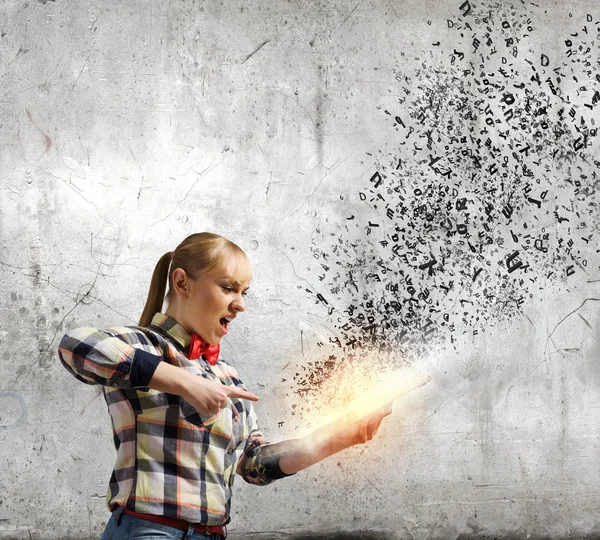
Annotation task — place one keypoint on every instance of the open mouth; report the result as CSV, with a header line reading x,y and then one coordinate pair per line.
x,y
224,324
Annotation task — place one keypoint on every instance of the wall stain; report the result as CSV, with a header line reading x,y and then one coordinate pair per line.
x,y
14,424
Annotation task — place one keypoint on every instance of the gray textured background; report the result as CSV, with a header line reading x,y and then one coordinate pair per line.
x,y
126,126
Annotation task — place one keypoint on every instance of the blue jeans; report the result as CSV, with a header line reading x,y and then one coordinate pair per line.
x,y
124,527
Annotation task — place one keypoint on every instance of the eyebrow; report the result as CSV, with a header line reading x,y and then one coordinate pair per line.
x,y
235,282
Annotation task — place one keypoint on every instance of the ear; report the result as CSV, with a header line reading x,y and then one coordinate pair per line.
x,y
181,283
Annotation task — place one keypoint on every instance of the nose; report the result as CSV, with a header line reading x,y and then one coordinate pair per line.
x,y
239,304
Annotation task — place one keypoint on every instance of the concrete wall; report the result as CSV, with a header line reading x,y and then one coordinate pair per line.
x,y
415,183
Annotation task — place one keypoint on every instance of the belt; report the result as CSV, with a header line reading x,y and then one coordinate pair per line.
x,y
178,523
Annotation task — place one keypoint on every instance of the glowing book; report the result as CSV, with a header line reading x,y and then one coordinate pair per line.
x,y
391,386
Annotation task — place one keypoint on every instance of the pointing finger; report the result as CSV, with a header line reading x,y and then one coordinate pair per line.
x,y
243,394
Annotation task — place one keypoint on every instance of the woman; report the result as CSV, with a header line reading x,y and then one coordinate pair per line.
x,y
182,420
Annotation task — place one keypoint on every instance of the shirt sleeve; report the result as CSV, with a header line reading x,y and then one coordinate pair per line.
x,y
259,463
107,358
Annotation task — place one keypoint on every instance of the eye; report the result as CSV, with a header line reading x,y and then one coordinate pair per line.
x,y
229,289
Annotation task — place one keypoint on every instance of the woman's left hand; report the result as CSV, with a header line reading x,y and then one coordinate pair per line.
x,y
365,428
298,454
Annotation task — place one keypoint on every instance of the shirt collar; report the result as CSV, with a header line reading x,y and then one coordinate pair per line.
x,y
173,328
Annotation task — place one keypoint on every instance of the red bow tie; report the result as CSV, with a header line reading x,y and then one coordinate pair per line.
x,y
199,347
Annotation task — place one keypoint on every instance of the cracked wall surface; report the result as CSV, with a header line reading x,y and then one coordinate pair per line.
x,y
416,184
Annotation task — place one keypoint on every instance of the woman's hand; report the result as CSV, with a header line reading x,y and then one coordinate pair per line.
x,y
206,396
364,430
209,397
298,454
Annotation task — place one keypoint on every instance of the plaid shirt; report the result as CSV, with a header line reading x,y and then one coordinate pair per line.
x,y
171,460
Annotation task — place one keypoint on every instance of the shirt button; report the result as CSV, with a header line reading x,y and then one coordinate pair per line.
x,y
115,384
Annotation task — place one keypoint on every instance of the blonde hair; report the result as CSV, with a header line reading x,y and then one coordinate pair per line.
x,y
199,253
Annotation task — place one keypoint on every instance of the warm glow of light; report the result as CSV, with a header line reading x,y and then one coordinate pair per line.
x,y
392,386
354,390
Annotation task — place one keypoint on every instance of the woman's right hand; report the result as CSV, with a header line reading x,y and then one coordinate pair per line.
x,y
209,397
206,396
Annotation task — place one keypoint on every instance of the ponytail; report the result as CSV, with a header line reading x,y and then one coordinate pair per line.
x,y
158,285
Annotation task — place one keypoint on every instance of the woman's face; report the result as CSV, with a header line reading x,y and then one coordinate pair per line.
x,y
213,301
